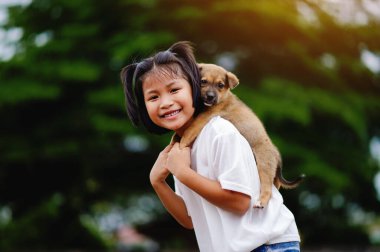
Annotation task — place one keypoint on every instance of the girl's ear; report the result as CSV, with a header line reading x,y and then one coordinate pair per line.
x,y
233,81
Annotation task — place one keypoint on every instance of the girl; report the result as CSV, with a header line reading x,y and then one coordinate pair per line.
x,y
216,181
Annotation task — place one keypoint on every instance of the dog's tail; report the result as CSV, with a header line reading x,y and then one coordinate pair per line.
x,y
280,181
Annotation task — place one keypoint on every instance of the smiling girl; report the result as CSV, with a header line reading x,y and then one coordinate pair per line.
x,y
216,181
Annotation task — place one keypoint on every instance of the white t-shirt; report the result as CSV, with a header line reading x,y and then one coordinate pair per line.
x,y
221,153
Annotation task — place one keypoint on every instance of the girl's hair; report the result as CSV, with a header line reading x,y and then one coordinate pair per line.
x,y
177,60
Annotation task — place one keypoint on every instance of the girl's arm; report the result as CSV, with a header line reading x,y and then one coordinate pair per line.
x,y
173,203
178,163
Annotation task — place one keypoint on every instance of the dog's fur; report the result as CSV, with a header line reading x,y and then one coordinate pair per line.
x,y
216,84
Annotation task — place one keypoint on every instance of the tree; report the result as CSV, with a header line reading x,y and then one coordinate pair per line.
x,y
64,127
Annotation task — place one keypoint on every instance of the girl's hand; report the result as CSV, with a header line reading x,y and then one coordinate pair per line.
x,y
159,171
178,160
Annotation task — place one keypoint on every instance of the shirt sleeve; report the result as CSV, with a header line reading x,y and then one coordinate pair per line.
x,y
178,191
233,162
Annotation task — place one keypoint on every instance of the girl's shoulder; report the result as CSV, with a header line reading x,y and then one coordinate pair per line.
x,y
216,134
219,126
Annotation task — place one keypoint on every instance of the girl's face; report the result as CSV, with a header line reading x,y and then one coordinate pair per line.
x,y
169,101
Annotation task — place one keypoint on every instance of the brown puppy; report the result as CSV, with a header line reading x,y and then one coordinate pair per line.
x,y
216,84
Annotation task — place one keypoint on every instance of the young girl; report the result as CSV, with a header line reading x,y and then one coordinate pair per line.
x,y
216,181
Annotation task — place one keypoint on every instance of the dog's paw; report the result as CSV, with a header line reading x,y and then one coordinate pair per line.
x,y
258,204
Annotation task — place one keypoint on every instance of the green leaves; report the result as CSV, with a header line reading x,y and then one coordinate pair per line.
x,y
134,45
63,116
281,99
82,71
20,90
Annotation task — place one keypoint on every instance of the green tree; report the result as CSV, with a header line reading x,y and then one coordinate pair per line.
x,y
64,125
63,120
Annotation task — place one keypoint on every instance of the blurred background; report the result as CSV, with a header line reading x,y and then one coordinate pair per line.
x,y
74,172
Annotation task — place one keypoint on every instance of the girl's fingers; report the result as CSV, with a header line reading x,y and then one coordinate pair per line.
x,y
176,147
168,148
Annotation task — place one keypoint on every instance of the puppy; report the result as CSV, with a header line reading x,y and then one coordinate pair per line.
x,y
216,84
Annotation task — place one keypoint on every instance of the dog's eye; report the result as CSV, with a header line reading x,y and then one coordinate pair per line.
x,y
220,85
203,81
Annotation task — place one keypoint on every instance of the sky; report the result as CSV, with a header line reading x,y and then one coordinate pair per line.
x,y
9,38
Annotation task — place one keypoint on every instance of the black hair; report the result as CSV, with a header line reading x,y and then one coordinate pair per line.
x,y
179,55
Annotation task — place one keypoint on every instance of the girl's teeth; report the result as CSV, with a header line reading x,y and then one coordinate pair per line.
x,y
171,114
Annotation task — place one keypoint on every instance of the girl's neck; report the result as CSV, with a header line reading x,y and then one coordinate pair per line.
x,y
182,130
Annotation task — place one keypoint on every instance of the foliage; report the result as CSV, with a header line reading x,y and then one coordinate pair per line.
x,y
64,132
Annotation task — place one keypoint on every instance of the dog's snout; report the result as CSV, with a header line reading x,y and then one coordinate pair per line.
x,y
210,96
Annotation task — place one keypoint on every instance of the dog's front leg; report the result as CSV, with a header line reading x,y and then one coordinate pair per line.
x,y
189,135
194,129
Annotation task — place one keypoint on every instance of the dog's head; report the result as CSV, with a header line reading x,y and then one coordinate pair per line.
x,y
216,83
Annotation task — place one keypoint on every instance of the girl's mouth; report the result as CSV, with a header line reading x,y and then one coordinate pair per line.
x,y
171,113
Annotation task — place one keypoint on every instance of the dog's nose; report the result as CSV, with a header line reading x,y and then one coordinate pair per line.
x,y
210,96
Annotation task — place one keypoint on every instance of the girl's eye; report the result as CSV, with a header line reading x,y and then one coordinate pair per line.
x,y
174,90
220,85
152,98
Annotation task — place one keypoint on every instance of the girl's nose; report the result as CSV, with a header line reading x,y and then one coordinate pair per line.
x,y
166,102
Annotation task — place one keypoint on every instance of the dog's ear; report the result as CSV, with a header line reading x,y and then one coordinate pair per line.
x,y
200,65
233,81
